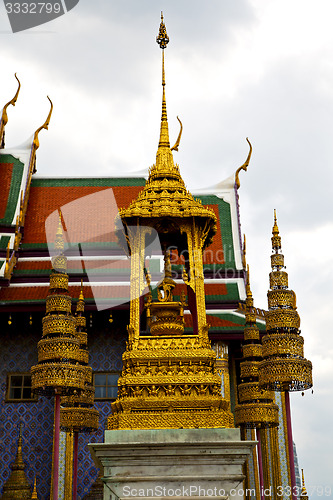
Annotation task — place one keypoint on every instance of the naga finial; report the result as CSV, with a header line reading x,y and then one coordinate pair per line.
x,y
4,116
244,166
45,125
175,147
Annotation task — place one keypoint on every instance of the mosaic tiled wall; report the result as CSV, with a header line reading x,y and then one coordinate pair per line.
x,y
18,352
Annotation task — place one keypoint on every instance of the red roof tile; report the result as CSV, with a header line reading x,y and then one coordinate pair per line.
x,y
6,172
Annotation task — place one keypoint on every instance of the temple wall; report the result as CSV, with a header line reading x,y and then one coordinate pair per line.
x,y
18,352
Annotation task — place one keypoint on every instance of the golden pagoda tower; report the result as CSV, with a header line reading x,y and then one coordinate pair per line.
x,y
256,409
59,354
169,379
76,413
284,367
17,486
59,371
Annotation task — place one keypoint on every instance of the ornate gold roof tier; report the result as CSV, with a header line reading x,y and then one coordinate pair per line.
x,y
17,486
76,413
284,367
59,353
256,408
169,379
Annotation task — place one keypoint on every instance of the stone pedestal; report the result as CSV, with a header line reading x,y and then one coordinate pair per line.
x,y
172,463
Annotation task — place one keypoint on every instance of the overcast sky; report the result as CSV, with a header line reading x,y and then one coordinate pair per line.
x,y
234,68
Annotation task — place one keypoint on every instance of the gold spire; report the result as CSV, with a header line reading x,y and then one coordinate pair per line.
x,y
34,493
81,296
162,39
4,117
249,297
304,493
17,486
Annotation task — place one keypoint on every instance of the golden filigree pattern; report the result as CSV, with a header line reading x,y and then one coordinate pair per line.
x,y
59,324
79,419
57,303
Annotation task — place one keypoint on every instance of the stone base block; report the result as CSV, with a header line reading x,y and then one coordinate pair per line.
x,y
172,463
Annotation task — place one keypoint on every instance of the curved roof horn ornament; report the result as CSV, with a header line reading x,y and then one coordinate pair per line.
x,y
175,147
4,116
244,166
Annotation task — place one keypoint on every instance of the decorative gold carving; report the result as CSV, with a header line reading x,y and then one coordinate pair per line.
x,y
59,281
286,374
57,303
59,263
252,350
58,348
278,279
251,332
280,344
59,324
255,406
59,375
256,415
79,419
279,318
250,391
281,298
170,420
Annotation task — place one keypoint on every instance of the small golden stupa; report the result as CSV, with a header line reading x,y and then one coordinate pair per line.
x,y
17,486
169,378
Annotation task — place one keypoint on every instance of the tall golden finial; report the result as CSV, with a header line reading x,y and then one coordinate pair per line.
x,y
244,166
162,39
249,297
4,116
59,240
276,238
81,296
304,493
